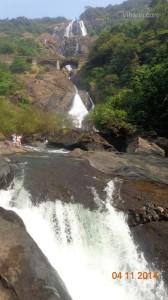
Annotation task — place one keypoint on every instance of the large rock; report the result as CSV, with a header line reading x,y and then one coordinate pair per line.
x,y
88,141
130,166
141,145
152,239
6,174
145,204
25,272
52,91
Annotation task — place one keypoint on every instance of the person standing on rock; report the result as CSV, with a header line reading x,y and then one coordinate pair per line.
x,y
18,140
14,139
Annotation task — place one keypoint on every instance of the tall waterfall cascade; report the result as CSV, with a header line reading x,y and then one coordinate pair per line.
x,y
78,110
75,28
86,246
83,28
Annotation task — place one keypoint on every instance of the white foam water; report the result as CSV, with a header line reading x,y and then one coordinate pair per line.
x,y
47,150
78,111
85,246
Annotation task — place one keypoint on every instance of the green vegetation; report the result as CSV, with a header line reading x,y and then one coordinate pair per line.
x,y
99,19
28,120
19,43
19,65
127,74
15,27
8,82
126,71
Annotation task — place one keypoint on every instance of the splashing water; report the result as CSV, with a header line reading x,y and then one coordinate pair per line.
x,y
78,110
85,246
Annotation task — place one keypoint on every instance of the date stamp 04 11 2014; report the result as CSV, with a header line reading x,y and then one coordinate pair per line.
x,y
135,275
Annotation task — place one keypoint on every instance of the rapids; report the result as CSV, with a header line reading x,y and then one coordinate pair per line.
x,y
85,246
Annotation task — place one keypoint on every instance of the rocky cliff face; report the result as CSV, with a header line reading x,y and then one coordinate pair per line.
x,y
47,86
52,91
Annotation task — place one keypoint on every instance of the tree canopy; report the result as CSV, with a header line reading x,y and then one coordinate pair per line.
x,y
127,70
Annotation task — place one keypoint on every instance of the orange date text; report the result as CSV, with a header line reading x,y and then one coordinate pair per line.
x,y
135,275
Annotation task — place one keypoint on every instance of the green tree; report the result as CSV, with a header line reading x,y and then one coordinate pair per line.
x,y
8,83
19,65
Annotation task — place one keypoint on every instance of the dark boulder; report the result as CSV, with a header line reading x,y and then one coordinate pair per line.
x,y
152,239
87,141
6,174
25,272
162,142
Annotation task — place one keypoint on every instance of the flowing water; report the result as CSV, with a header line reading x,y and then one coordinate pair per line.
x,y
75,28
84,246
78,110
83,28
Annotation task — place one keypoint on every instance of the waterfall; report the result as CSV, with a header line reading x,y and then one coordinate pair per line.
x,y
78,110
55,31
86,246
69,31
83,28
69,68
91,101
76,49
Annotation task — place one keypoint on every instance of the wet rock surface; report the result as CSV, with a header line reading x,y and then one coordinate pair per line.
x,y
51,177
147,214
8,148
152,240
25,273
6,174
138,166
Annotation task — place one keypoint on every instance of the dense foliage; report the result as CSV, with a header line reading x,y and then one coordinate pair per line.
x,y
15,27
27,120
8,82
127,70
19,43
98,19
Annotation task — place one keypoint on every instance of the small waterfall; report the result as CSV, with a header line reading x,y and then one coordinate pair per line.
x,y
55,31
77,48
91,101
86,246
78,110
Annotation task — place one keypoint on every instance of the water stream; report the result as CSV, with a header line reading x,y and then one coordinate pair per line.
x,y
85,246
78,110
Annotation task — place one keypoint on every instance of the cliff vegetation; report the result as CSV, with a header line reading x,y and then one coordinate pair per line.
x,y
127,74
